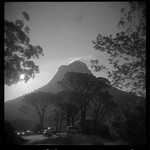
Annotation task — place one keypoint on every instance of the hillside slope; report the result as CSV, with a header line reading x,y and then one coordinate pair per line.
x,y
12,107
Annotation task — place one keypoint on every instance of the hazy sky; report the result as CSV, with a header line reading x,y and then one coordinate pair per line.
x,y
65,31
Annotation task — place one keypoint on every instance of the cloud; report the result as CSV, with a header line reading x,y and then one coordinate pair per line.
x,y
74,59
84,58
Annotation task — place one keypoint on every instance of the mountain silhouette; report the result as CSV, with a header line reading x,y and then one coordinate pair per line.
x,y
76,66
12,106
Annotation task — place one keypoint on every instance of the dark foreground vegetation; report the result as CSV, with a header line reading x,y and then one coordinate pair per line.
x,y
10,137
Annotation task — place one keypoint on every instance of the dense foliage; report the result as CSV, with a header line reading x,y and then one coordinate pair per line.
x,y
67,101
101,105
129,124
85,87
38,103
127,50
18,52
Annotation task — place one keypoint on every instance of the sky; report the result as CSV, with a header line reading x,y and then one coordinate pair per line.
x,y
65,31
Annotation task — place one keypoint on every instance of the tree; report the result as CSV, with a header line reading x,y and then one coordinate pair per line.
x,y
37,128
85,86
62,117
67,100
129,124
38,103
21,124
101,105
127,50
18,52
56,118
59,115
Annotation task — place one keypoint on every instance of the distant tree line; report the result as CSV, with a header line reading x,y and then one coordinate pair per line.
x,y
81,92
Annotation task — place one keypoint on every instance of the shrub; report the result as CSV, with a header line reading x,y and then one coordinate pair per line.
x,y
10,137
37,128
129,124
102,131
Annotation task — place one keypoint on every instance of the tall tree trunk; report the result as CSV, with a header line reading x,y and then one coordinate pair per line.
x,y
95,124
42,120
41,116
61,121
68,119
72,121
83,117
56,120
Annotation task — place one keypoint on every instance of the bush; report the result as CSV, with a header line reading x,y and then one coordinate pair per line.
x,y
102,131
87,130
10,137
129,124
37,128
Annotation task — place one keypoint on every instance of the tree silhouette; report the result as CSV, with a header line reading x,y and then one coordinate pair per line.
x,y
101,105
56,118
38,103
21,124
129,124
127,50
10,137
67,101
37,128
18,52
59,115
85,86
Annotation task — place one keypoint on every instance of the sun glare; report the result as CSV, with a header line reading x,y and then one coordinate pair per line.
x,y
22,76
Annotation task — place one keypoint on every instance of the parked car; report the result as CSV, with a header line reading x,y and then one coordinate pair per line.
x,y
49,132
52,130
72,130
22,133
17,133
28,132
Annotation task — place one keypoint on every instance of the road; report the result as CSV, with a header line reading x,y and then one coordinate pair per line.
x,y
64,139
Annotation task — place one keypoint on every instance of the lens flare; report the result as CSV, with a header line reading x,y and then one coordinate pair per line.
x,y
22,76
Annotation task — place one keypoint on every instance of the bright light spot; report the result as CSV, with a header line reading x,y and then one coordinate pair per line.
x,y
22,76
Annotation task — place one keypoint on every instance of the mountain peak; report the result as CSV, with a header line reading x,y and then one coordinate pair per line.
x,y
76,66
77,62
